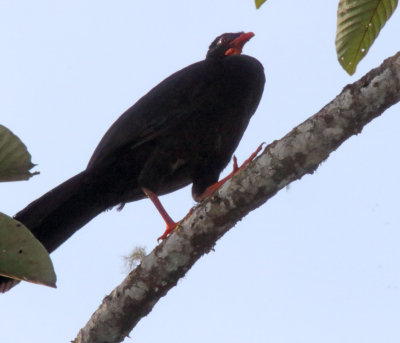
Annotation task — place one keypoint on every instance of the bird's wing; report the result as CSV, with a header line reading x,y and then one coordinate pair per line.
x,y
175,99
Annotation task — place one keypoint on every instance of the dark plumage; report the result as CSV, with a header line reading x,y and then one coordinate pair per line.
x,y
183,131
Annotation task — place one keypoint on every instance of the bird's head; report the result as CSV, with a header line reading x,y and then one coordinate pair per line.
x,y
228,44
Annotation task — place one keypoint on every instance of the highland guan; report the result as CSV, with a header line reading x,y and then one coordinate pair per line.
x,y
183,131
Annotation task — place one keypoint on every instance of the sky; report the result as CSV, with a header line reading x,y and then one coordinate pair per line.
x,y
319,262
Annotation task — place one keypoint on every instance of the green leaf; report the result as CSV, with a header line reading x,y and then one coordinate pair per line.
x,y
15,160
259,3
22,256
358,24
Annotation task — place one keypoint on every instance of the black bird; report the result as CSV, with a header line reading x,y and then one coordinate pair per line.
x,y
183,131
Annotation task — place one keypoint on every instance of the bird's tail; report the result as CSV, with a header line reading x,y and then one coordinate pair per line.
x,y
59,213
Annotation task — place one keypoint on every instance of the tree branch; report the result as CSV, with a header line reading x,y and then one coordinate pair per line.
x,y
283,161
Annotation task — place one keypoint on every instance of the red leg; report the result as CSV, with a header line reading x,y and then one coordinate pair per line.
x,y
171,225
211,189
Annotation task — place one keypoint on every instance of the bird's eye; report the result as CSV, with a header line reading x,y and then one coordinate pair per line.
x,y
222,40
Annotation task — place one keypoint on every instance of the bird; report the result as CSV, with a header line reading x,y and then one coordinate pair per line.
x,y
183,131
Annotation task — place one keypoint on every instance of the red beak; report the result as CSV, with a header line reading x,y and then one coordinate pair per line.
x,y
237,44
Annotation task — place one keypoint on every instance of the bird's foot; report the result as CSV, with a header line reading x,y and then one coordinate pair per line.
x,y
211,189
171,225
251,157
170,228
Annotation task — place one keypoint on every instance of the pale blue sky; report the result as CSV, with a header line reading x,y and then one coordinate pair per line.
x,y
318,263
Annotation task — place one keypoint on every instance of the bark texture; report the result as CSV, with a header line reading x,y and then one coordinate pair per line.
x,y
283,161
